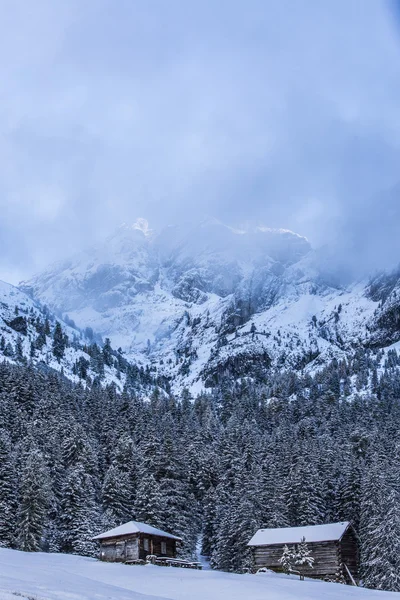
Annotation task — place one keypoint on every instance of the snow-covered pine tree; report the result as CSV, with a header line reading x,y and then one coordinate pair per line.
x,y
107,353
209,524
303,558
59,342
96,360
148,506
349,490
272,487
179,506
221,553
287,559
34,500
243,523
19,351
9,350
380,526
304,491
79,518
8,498
116,498
238,516
370,519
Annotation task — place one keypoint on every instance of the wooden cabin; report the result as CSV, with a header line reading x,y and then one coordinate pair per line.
x,y
133,541
334,548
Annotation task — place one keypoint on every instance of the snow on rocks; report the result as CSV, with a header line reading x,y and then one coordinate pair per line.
x,y
192,300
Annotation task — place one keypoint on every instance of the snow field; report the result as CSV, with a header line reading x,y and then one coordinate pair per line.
x,y
39,576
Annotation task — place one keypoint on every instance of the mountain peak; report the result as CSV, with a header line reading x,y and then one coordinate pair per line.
x,y
190,296
140,224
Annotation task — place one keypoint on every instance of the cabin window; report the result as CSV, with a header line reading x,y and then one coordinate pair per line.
x,y
146,545
163,548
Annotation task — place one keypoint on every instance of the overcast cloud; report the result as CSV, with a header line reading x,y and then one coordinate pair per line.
x,y
284,112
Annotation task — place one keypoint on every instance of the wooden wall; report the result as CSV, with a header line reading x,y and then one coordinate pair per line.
x,y
121,549
350,552
326,558
155,546
329,557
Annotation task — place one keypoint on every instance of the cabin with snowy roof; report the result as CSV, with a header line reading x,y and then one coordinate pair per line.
x,y
333,546
133,541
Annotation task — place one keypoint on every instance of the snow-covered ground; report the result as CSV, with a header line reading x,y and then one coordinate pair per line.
x,y
14,302
38,576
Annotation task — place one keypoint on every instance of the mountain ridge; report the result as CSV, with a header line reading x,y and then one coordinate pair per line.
x,y
195,301
32,335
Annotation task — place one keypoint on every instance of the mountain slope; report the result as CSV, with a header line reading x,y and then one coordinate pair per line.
x,y
39,576
207,301
30,333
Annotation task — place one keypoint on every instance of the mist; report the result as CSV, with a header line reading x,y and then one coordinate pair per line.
x,y
282,112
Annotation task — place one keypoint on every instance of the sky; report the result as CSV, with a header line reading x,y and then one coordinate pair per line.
x,y
278,112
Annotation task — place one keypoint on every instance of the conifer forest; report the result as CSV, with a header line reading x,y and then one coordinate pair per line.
x,y
295,450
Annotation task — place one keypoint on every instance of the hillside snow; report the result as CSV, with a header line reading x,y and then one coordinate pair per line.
x,y
21,320
200,302
39,576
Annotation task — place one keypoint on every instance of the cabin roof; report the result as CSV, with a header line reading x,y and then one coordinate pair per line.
x,y
134,527
293,535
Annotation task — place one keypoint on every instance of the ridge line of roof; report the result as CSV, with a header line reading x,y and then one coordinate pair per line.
x,y
132,527
276,535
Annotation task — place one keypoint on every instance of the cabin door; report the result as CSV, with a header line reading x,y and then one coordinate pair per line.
x,y
132,549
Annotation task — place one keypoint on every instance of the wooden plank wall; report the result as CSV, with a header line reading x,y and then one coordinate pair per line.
x,y
120,549
155,546
326,558
350,552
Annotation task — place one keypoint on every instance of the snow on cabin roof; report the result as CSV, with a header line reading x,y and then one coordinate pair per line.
x,y
293,535
134,527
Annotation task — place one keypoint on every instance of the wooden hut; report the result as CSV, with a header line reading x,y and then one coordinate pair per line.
x,y
133,541
334,548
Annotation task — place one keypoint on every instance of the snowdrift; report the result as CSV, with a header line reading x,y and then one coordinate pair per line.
x,y
39,576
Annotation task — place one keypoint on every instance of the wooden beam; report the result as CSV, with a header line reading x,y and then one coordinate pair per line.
x,y
350,575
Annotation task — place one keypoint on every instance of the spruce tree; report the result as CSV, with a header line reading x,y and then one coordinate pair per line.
x,y
79,518
209,528
107,353
287,559
148,505
34,500
305,501
117,498
8,499
19,352
380,528
58,342
303,558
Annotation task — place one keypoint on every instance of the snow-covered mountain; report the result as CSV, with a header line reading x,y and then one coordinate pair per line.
x,y
205,301
32,334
